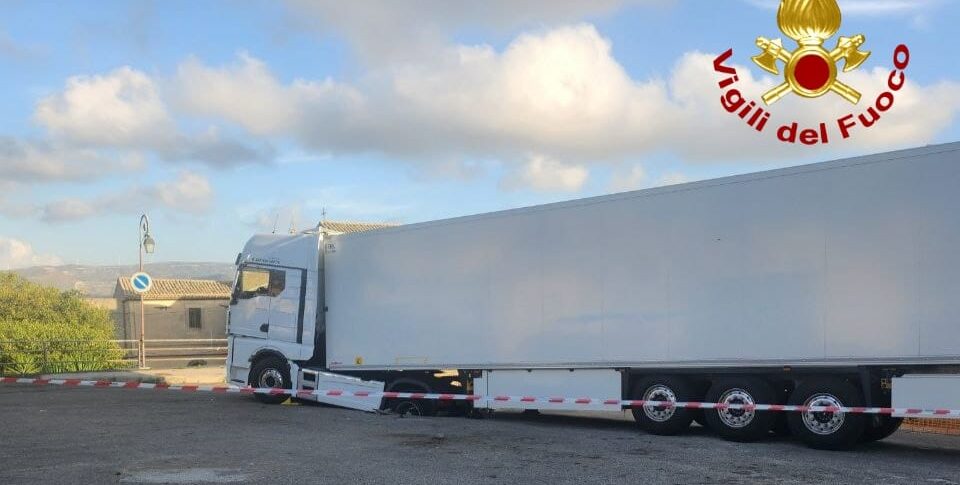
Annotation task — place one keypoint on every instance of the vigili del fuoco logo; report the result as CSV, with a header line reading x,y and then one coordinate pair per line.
x,y
810,70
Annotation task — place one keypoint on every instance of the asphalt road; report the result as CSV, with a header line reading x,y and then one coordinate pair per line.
x,y
56,435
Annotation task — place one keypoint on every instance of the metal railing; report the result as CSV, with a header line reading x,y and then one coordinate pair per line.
x,y
27,357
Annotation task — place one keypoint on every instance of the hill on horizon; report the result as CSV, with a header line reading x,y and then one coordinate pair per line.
x,y
100,281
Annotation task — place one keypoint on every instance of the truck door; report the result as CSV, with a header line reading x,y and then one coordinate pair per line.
x,y
252,298
286,308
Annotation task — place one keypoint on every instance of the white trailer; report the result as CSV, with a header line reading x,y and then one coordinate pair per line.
x,y
833,284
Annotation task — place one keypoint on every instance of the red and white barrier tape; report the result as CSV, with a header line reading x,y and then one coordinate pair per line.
x,y
627,403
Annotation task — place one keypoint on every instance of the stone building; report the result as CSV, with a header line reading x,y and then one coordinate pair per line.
x,y
173,309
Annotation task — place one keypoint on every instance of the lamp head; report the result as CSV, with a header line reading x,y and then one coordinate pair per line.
x,y
148,244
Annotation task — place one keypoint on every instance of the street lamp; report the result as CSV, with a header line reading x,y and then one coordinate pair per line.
x,y
146,244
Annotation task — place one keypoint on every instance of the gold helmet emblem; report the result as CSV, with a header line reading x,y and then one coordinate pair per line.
x,y
811,70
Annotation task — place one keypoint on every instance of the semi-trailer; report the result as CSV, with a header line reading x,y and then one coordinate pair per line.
x,y
831,284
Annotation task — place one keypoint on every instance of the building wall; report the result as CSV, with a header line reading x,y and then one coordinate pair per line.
x,y
169,319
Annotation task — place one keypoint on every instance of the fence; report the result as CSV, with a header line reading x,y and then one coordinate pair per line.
x,y
27,357
935,426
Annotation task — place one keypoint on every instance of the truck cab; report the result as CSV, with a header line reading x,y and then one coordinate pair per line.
x,y
273,309
275,325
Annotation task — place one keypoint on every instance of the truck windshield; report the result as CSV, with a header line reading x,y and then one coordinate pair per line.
x,y
260,281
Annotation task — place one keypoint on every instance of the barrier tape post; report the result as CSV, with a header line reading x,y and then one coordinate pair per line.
x,y
625,403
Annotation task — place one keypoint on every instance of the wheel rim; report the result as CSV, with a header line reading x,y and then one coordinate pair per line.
x,y
409,407
736,418
823,422
659,392
271,378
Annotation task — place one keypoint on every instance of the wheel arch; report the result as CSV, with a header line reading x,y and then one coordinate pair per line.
x,y
407,382
266,352
259,355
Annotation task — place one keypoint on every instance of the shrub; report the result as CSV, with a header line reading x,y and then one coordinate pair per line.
x,y
44,330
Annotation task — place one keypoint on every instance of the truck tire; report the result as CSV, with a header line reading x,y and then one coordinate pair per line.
x,y
879,427
413,407
272,372
662,420
826,430
739,424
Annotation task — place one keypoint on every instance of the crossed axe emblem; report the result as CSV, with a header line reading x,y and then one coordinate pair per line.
x,y
811,70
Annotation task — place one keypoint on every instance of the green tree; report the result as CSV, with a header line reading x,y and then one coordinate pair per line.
x,y
43,329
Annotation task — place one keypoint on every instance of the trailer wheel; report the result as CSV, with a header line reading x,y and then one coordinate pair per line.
x,y
826,430
663,420
740,424
272,372
879,427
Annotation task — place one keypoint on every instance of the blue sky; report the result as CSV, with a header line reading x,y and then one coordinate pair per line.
x,y
218,118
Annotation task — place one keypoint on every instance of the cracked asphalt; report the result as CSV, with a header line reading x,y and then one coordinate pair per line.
x,y
82,435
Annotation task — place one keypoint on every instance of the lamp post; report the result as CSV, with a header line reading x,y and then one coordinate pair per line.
x,y
146,245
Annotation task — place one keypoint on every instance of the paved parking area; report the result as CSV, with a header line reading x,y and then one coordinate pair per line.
x,y
57,435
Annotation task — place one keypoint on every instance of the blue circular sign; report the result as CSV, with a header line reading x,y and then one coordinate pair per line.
x,y
141,282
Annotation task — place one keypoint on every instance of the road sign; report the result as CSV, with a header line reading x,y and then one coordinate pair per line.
x,y
141,282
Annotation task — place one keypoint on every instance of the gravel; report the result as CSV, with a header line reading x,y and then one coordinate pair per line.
x,y
57,435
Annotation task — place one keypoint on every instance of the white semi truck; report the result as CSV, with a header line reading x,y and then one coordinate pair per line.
x,y
831,284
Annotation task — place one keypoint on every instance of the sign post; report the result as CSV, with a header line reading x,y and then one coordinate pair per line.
x,y
141,283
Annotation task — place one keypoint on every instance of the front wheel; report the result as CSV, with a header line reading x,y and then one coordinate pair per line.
x,y
272,373
413,407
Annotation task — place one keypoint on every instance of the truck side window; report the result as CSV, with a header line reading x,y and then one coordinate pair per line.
x,y
278,281
260,282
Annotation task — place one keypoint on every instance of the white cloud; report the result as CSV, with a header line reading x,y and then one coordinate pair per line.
x,y
546,174
189,193
15,253
268,107
75,209
416,30
556,92
559,94
40,161
214,149
122,108
628,178
125,109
